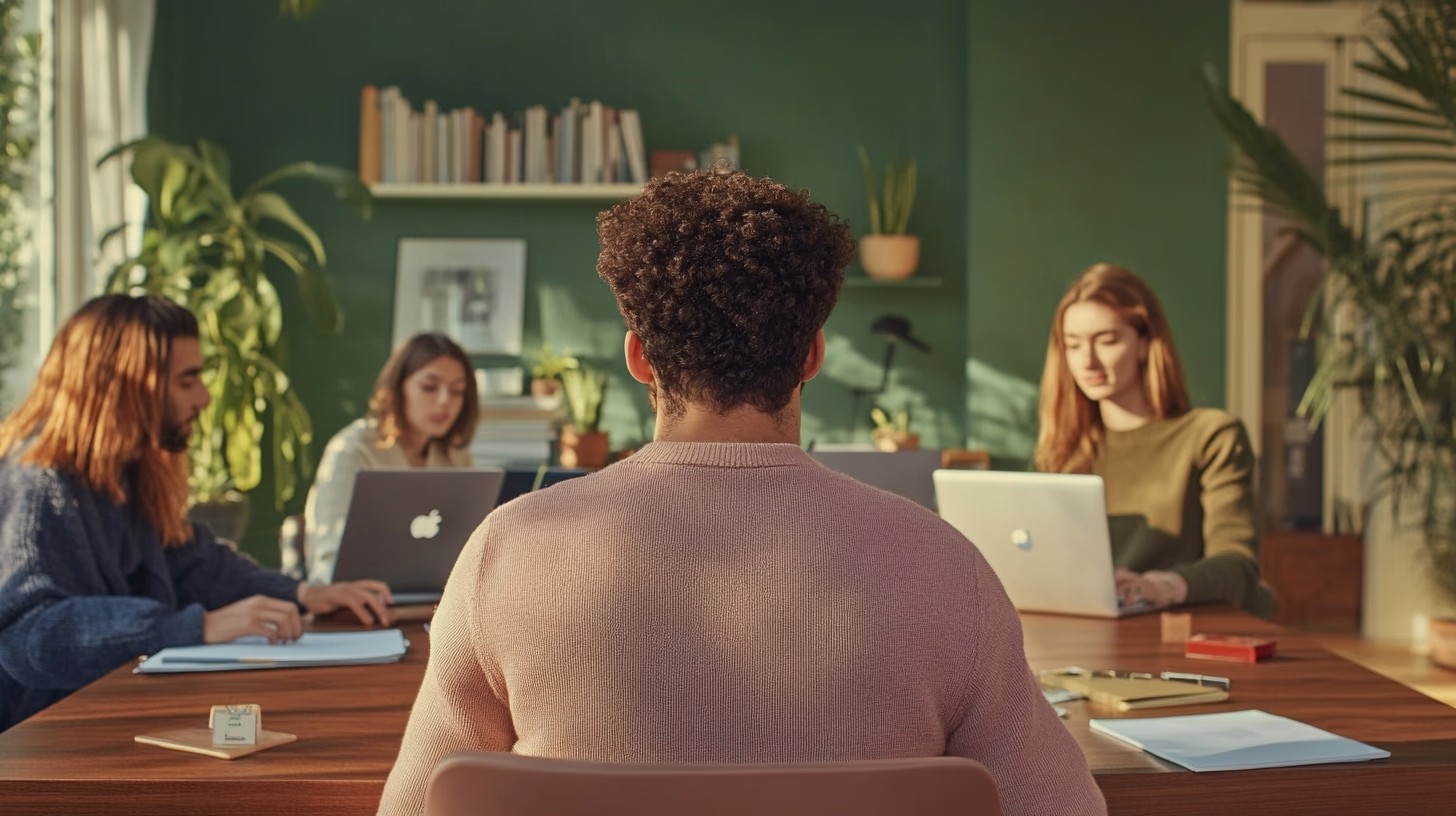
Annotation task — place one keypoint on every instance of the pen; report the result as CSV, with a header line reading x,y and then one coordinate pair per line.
x,y
219,660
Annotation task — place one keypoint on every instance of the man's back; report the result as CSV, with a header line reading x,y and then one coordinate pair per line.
x,y
733,603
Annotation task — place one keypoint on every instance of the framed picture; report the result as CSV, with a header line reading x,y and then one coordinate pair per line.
x,y
472,289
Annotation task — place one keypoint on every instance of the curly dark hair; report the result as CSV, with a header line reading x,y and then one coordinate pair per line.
x,y
726,279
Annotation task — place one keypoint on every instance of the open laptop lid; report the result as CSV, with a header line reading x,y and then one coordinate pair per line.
x,y
519,481
406,526
904,473
1044,534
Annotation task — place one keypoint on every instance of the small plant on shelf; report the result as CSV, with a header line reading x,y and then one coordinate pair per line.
x,y
583,443
888,252
893,434
547,367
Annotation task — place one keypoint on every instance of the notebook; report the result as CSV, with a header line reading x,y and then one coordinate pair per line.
x,y
904,473
1130,693
1044,534
1236,741
406,526
312,649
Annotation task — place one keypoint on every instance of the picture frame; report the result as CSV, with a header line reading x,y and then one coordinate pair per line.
x,y
470,289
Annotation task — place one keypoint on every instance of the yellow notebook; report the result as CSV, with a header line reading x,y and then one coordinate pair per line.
x,y
1128,693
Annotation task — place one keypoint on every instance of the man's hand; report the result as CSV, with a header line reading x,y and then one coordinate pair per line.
x,y
259,615
368,600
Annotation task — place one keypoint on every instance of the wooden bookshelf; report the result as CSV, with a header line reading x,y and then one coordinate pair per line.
x,y
511,192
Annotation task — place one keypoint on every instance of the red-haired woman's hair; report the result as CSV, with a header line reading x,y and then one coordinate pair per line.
x,y
1071,427
99,403
386,403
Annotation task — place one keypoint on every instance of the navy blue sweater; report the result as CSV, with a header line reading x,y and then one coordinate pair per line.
x,y
85,586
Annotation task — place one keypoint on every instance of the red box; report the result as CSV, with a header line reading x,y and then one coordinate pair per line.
x,y
1228,647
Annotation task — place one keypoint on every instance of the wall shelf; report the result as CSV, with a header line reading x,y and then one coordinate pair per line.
x,y
912,282
520,192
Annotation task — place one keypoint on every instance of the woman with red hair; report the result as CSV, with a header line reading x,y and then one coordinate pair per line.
x,y
1180,480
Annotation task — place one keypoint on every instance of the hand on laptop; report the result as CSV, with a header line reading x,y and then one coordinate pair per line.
x,y
368,600
1155,587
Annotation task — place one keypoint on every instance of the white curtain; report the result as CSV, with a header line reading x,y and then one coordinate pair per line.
x,y
102,52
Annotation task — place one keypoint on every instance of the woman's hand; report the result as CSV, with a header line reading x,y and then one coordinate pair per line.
x,y
368,600
1156,587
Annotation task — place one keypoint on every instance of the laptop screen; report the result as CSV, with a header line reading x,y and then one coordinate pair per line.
x,y
904,473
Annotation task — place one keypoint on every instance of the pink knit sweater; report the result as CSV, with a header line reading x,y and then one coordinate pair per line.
x,y
732,603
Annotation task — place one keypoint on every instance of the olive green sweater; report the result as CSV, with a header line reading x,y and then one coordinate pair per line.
x,y
1180,497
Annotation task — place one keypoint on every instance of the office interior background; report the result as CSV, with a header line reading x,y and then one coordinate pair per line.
x,y
1048,135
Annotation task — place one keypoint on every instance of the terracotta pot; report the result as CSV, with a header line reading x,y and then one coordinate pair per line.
x,y
545,387
891,441
1443,642
889,257
586,449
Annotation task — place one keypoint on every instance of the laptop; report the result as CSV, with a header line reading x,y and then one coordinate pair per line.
x,y
1044,534
904,473
522,480
406,526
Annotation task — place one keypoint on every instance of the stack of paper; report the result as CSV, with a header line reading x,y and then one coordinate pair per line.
x,y
313,649
1237,740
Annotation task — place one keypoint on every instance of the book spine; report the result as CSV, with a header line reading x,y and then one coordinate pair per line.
x,y
369,135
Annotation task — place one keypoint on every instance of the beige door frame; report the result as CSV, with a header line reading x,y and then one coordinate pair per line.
x,y
1262,33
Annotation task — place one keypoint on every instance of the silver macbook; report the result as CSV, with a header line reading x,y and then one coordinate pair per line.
x,y
1044,534
406,526
904,473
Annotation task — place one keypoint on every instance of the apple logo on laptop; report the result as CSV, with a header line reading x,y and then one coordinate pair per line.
x,y
1022,539
426,526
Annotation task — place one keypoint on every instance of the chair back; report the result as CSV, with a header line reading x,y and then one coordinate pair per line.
x,y
292,552
504,784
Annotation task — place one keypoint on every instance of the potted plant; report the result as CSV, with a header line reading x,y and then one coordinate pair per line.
x,y
208,249
892,435
583,443
546,369
888,253
1385,319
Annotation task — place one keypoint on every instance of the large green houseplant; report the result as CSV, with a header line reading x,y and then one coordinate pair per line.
x,y
1386,318
208,248
18,126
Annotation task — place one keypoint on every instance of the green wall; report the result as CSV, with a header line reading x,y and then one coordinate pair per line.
x,y
1049,135
1089,141
802,86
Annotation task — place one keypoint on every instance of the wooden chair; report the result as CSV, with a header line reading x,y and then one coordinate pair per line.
x,y
504,784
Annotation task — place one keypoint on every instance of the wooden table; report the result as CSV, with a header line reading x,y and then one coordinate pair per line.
x,y
1303,682
78,757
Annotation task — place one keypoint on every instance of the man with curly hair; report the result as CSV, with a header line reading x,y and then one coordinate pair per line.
x,y
719,596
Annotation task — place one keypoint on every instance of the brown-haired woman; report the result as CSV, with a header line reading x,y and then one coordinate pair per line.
x,y
1179,479
422,413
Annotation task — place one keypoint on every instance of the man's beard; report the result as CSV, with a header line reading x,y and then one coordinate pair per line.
x,y
174,436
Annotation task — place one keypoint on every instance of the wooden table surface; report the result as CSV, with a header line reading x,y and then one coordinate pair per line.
x,y
78,757
1303,682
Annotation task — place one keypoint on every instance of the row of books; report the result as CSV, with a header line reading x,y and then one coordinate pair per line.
x,y
513,430
581,143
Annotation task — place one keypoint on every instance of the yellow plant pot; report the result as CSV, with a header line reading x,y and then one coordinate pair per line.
x,y
889,257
